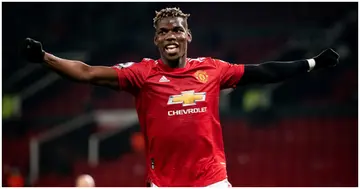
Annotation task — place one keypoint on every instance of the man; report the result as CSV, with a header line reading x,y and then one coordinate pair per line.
x,y
177,99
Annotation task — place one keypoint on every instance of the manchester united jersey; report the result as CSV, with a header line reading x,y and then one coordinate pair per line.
x,y
179,116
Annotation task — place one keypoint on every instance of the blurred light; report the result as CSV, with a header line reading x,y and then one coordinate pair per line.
x,y
11,106
137,142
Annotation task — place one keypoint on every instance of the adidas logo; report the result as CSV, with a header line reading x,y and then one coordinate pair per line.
x,y
164,79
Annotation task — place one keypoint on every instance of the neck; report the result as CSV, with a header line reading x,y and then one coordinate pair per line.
x,y
177,63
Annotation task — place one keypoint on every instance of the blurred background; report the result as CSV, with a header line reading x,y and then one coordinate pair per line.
x,y
301,132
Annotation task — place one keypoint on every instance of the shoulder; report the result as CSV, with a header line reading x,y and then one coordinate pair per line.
x,y
207,61
201,60
143,64
148,61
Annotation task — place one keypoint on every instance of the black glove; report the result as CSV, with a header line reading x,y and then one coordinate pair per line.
x,y
33,51
327,58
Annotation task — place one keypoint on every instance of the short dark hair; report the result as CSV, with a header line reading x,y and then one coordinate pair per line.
x,y
169,12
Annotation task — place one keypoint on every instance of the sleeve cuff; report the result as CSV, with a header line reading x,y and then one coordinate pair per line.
x,y
311,63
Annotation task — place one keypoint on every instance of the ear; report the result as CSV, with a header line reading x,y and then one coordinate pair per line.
x,y
189,36
155,40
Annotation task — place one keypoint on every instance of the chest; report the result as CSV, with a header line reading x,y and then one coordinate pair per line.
x,y
202,79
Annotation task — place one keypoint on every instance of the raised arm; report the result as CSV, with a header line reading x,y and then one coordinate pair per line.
x,y
72,69
276,71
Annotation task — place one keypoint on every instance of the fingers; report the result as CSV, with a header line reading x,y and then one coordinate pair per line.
x,y
332,52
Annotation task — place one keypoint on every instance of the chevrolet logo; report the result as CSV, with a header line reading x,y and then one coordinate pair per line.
x,y
187,98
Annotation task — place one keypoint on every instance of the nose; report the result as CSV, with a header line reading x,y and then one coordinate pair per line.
x,y
170,36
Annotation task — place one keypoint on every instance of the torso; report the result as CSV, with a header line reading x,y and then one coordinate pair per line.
x,y
178,113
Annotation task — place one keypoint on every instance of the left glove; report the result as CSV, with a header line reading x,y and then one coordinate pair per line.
x,y
32,51
327,58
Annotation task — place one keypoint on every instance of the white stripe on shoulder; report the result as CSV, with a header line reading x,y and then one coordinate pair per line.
x,y
200,59
124,65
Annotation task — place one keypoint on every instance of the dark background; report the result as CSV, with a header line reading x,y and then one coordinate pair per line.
x,y
301,132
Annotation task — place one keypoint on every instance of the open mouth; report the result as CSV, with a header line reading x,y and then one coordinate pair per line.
x,y
172,49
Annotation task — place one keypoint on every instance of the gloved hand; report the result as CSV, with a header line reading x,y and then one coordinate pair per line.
x,y
327,58
33,51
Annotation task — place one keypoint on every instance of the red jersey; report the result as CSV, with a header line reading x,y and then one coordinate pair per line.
x,y
178,111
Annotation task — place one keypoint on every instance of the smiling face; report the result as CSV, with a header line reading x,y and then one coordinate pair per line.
x,y
171,38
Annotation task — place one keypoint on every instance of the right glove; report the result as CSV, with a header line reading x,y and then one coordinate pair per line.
x,y
33,51
327,58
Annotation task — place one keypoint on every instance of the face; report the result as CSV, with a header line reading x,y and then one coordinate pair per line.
x,y
171,37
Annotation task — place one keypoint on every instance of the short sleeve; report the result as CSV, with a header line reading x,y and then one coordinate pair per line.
x,y
131,76
230,74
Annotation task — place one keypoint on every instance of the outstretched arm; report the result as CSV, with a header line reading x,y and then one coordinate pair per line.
x,y
276,71
72,69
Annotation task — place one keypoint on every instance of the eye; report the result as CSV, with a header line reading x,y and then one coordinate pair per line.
x,y
178,30
161,32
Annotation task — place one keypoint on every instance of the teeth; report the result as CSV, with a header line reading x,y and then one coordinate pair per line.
x,y
171,46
